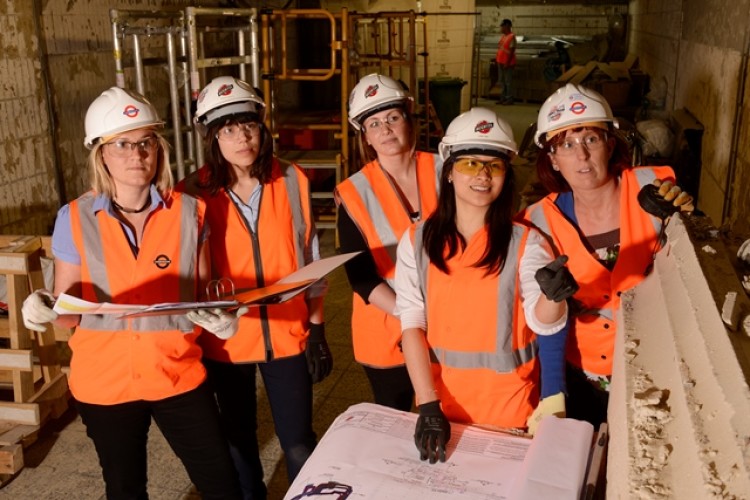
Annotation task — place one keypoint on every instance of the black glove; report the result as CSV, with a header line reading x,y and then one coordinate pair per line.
x,y
652,202
556,281
432,433
318,354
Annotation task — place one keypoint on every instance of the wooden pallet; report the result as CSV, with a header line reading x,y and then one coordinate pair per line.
x,y
29,366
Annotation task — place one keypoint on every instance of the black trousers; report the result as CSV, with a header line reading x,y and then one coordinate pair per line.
x,y
190,424
391,387
289,389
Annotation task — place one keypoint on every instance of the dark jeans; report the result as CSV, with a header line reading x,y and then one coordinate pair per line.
x,y
585,401
289,389
391,387
505,74
190,424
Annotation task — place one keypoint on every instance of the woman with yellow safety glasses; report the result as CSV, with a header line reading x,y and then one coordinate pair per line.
x,y
472,288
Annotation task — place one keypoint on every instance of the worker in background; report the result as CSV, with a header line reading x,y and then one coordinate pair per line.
x,y
131,240
506,61
594,214
261,230
396,187
472,286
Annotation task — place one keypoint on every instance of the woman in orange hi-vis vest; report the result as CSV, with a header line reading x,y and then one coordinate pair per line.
x,y
132,240
262,230
594,215
376,205
473,288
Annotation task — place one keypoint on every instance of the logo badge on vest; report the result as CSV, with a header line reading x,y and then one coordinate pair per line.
x,y
162,261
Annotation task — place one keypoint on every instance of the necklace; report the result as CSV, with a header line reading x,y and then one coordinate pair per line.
x,y
131,210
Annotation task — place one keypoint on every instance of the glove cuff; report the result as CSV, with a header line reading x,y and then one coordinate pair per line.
x,y
430,409
317,332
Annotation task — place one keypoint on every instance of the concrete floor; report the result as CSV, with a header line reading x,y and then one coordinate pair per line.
x,y
62,463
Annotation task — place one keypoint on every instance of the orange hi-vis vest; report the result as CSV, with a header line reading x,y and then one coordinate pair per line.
x,y
591,339
261,258
151,358
483,355
504,56
376,208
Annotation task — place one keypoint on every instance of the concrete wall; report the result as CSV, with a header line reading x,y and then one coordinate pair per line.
x,y
55,58
700,49
679,398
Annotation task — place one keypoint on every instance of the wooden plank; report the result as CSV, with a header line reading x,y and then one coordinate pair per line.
x,y
569,74
19,434
22,413
16,359
47,350
52,398
584,73
11,459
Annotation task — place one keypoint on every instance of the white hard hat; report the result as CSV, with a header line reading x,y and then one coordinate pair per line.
x,y
118,110
572,106
375,93
478,129
226,97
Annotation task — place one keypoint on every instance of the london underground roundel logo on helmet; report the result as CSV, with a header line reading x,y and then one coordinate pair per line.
x,y
130,111
483,127
225,90
577,108
371,91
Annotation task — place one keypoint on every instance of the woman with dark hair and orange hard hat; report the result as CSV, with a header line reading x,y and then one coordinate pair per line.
x,y
474,291
397,186
261,231
132,240
607,216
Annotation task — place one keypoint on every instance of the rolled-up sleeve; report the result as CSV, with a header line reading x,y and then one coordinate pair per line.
x,y
409,300
536,255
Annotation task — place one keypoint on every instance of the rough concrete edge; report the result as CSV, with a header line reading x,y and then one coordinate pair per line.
x,y
717,419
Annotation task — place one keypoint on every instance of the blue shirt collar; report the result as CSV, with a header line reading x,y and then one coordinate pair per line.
x,y
104,202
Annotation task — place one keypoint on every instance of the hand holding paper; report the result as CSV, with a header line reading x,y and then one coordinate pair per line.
x,y
221,323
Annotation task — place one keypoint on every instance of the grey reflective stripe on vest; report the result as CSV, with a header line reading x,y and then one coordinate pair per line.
x,y
372,204
438,170
644,177
295,204
94,251
505,359
537,217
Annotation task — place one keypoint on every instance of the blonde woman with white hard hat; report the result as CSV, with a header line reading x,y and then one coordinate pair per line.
x,y
474,290
262,230
131,240
396,186
607,217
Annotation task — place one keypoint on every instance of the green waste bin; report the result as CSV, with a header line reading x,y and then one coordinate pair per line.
x,y
445,94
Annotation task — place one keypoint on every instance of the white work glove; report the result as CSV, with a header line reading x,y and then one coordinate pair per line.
x,y
744,252
37,310
217,321
551,405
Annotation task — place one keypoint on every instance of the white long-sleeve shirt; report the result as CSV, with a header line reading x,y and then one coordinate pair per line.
x,y
410,308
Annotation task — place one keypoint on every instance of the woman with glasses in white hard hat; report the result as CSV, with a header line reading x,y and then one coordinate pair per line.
x,y
472,288
596,215
132,240
396,187
261,230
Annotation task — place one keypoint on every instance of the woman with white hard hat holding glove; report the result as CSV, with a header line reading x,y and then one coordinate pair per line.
x,y
262,230
475,290
397,186
608,217
132,240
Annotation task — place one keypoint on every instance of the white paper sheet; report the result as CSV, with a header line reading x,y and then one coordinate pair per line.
x,y
555,464
369,451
